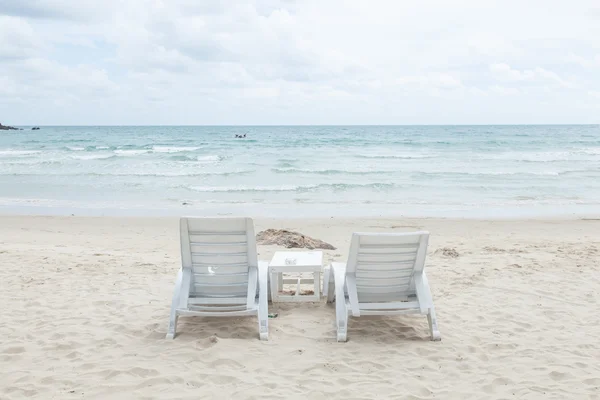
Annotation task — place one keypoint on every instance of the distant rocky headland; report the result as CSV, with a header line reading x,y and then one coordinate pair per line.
x,y
7,128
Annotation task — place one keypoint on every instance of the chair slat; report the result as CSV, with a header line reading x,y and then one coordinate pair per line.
x,y
383,273
220,269
229,249
387,250
398,241
220,290
386,258
397,266
197,238
217,225
219,259
220,279
378,289
215,301
385,282
396,305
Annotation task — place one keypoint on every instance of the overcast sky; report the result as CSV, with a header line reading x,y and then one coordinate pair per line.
x,y
299,62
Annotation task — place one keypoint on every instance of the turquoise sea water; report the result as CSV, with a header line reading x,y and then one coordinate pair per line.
x,y
302,170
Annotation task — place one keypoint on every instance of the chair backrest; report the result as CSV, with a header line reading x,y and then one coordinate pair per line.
x,y
385,264
219,252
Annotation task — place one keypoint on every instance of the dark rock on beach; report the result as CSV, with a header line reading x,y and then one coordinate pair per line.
x,y
449,252
8,128
290,240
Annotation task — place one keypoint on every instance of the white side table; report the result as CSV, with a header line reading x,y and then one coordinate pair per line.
x,y
295,261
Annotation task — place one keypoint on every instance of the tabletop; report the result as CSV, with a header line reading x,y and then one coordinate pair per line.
x,y
297,259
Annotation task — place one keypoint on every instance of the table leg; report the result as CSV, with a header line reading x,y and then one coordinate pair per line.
x,y
274,287
269,289
317,276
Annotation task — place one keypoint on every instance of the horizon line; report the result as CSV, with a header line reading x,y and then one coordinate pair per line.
x,y
294,125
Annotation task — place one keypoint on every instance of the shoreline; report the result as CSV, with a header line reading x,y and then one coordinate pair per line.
x,y
314,219
316,211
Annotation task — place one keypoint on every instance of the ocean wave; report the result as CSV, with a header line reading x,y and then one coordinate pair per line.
x,y
326,171
282,188
290,188
200,159
286,163
173,149
497,173
12,153
126,174
178,173
214,158
68,140
593,151
395,156
28,163
546,157
346,186
183,158
130,152
86,148
94,157
510,173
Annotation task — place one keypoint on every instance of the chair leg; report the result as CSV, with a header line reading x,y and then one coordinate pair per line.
x,y
341,311
263,328
263,317
330,285
341,316
342,327
171,332
263,303
433,326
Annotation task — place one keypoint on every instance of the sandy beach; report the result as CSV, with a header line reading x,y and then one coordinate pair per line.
x,y
85,305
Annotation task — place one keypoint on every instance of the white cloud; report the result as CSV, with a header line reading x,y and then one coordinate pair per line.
x,y
441,81
79,10
38,78
17,39
505,73
285,61
593,62
505,91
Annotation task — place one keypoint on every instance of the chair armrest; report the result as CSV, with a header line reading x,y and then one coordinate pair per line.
x,y
252,287
352,294
423,292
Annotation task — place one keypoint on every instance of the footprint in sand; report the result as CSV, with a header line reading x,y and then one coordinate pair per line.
x,y
14,350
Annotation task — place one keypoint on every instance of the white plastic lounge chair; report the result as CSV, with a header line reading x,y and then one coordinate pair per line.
x,y
220,274
384,276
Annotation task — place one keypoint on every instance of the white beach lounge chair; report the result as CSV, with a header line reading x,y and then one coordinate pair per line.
x,y
384,276
220,274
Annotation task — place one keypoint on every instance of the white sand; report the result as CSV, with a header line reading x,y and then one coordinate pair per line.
x,y
85,303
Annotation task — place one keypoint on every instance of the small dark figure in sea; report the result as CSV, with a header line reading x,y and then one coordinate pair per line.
x,y
240,136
